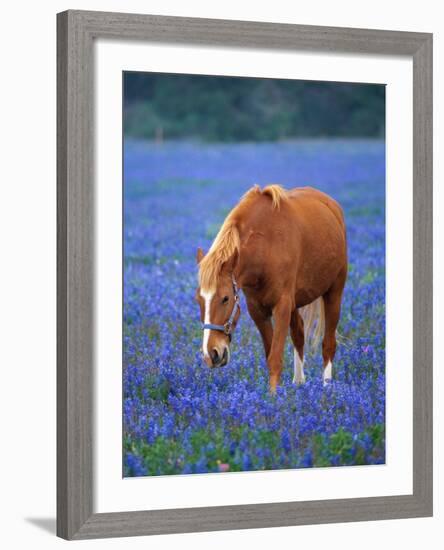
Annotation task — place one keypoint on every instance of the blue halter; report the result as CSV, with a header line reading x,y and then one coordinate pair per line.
x,y
227,328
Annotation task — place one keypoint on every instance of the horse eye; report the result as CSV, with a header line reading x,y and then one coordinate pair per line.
x,y
225,299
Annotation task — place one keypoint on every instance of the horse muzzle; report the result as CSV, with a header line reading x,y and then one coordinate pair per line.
x,y
218,358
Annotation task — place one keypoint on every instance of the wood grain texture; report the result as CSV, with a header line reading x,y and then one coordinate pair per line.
x,y
219,32
253,516
76,32
423,273
62,294
74,276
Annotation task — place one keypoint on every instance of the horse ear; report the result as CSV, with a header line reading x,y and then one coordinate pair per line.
x,y
231,263
199,255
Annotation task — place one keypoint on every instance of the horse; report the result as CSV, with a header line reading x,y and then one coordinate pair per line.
x,y
287,251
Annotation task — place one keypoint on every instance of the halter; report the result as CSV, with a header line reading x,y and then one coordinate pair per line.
x,y
227,328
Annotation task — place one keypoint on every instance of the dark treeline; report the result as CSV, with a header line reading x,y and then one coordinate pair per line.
x,y
167,106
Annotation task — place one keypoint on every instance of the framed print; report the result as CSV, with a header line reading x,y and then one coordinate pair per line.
x,y
244,275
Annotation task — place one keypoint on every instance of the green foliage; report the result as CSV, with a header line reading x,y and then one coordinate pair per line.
x,y
161,457
216,108
166,456
344,449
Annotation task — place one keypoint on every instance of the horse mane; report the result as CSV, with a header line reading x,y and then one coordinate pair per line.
x,y
227,241
277,193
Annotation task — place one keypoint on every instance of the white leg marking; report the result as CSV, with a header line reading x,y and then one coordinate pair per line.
x,y
327,373
299,376
207,296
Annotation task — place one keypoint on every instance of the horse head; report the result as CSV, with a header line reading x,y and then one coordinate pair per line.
x,y
219,313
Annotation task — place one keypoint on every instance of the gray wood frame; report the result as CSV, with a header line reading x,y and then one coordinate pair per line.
x,y
76,32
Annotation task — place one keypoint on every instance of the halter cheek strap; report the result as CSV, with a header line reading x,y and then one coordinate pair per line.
x,y
227,328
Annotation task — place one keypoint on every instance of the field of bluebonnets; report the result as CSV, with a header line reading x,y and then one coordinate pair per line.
x,y
181,417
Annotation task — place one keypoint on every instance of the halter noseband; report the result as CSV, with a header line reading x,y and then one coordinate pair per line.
x,y
227,328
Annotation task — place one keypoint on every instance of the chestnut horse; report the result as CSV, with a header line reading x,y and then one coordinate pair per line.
x,y
286,250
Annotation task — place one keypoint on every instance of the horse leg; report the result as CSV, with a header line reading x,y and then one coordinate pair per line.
x,y
281,315
263,323
297,335
332,308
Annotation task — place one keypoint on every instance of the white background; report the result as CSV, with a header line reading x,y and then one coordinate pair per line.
x,y
28,270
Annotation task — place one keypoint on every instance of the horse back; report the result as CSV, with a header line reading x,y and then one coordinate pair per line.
x,y
300,245
304,195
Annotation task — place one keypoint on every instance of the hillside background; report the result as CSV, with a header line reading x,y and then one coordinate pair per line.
x,y
235,109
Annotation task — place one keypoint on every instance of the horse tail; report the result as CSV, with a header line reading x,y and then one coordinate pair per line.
x,y
313,316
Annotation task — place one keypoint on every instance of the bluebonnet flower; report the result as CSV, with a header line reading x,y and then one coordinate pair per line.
x,y
178,415
134,465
